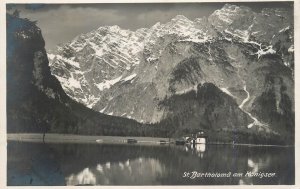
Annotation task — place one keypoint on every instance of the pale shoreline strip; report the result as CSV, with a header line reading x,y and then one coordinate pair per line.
x,y
72,138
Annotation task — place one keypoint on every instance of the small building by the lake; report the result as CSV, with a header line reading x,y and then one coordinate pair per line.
x,y
201,138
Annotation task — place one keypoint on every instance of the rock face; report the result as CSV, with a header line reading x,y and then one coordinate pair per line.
x,y
36,101
241,62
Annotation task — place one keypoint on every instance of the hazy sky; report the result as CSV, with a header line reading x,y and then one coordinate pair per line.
x,y
60,23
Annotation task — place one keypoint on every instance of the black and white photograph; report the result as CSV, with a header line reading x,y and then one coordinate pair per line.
x,y
150,93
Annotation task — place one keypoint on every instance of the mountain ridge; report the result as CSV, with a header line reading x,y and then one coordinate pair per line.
x,y
129,73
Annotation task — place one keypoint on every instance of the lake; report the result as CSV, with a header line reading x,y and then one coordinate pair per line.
x,y
132,164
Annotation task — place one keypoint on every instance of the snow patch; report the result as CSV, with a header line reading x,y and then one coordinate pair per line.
x,y
92,101
128,78
268,50
255,120
291,49
69,83
74,83
240,34
51,56
69,61
246,99
106,84
187,90
225,90
101,111
284,29
256,32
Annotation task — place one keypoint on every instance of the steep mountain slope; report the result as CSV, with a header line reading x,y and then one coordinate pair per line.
x,y
247,56
207,106
36,101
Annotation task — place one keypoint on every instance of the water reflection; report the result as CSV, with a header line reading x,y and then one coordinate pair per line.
x,y
103,164
126,172
82,178
198,149
255,165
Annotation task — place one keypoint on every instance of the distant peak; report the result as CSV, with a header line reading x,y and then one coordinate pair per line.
x,y
156,25
230,6
204,18
234,8
229,13
180,17
114,27
111,28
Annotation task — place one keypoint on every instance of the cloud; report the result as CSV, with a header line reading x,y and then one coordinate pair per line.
x,y
60,23
64,23
34,6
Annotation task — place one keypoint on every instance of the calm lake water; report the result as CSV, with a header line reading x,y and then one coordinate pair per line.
x,y
103,164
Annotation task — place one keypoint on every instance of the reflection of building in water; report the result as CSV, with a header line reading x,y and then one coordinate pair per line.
x,y
200,149
197,149
107,165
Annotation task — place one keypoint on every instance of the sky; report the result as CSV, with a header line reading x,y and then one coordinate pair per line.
x,y
60,23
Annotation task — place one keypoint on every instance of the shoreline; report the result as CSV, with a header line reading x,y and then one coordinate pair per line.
x,y
72,138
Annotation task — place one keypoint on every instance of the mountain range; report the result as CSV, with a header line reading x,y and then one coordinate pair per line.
x,y
230,74
231,70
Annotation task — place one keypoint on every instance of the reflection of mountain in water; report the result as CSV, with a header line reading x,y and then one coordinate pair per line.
x,y
82,164
254,166
139,171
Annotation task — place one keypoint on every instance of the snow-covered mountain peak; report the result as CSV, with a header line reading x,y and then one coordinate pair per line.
x,y
230,14
234,8
175,26
180,18
157,25
115,29
94,65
